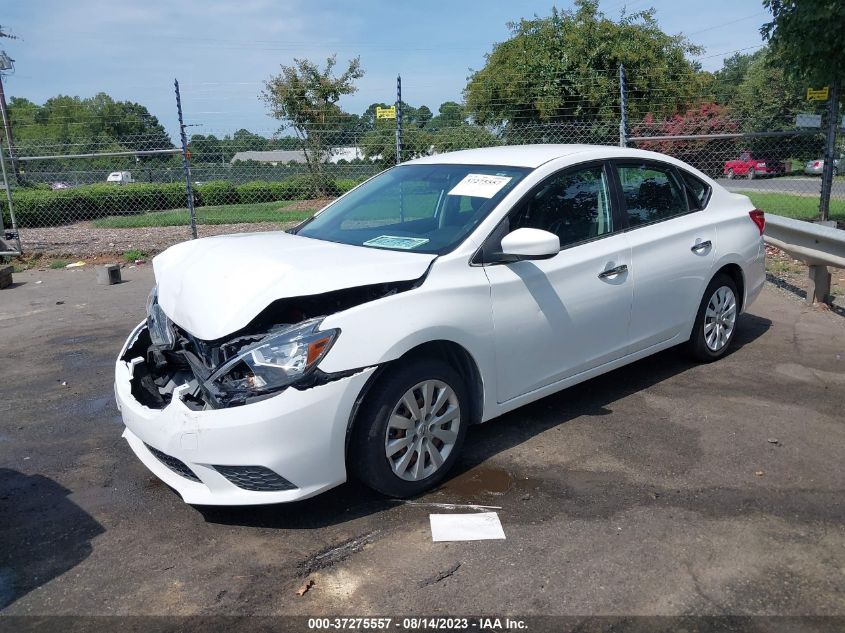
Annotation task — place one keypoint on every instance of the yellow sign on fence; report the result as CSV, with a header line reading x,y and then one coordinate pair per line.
x,y
386,113
817,95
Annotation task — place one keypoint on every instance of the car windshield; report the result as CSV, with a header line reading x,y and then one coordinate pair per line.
x,y
418,208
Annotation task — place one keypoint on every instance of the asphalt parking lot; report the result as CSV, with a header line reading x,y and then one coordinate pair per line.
x,y
661,488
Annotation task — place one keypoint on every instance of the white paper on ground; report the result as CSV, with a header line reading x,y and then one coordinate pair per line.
x,y
477,526
479,186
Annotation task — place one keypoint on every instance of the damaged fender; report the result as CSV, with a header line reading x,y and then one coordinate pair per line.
x,y
382,331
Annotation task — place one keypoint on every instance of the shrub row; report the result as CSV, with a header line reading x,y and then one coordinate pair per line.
x,y
43,207
40,207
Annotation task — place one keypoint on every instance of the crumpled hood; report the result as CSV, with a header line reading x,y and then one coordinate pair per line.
x,y
214,286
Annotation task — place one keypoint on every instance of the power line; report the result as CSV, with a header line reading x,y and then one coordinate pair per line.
x,y
716,26
738,50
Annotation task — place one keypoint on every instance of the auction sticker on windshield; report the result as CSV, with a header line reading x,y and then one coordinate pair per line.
x,y
392,241
479,185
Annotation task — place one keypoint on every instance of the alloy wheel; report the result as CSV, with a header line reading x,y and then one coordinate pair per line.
x,y
720,318
422,430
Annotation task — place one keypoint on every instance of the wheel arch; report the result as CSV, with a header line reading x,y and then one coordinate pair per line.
x,y
734,271
454,354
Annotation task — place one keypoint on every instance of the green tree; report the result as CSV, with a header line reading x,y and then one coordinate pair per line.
x,y
305,98
206,149
565,66
464,136
811,35
767,98
728,78
379,144
449,114
424,116
73,125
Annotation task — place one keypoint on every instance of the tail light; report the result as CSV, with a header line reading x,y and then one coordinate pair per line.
x,y
817,163
759,218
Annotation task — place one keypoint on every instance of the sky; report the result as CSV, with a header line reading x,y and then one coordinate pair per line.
x,y
222,50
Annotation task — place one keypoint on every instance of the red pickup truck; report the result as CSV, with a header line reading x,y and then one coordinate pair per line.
x,y
752,166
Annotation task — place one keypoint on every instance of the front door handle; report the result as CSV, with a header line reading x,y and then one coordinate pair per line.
x,y
700,246
611,272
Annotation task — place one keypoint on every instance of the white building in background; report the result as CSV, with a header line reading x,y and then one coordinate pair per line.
x,y
283,157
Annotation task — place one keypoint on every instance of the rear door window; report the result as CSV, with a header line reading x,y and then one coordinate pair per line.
x,y
652,193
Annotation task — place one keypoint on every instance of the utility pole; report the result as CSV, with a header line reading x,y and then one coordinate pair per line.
x,y
623,108
6,63
186,165
829,149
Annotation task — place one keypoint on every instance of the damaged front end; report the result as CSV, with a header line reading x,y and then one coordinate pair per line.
x,y
278,349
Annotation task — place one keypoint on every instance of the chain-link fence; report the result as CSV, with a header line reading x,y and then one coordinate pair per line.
x,y
780,171
86,198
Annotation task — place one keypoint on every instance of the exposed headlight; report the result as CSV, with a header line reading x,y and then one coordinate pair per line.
x,y
280,359
160,326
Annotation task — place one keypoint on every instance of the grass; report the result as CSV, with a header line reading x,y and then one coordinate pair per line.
x,y
779,267
794,206
224,214
58,263
131,255
789,205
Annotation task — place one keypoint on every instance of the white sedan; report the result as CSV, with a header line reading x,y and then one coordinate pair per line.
x,y
441,293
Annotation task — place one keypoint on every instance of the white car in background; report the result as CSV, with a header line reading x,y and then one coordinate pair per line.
x,y
441,293
816,167
120,178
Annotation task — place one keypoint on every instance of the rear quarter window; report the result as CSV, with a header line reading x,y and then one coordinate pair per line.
x,y
698,191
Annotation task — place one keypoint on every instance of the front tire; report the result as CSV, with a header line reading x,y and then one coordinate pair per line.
x,y
730,174
410,429
750,175
715,323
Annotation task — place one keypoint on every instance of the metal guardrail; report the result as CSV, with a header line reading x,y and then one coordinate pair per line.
x,y
816,245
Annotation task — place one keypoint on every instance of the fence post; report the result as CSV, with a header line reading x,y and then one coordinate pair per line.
x,y
186,165
623,109
16,235
829,150
398,119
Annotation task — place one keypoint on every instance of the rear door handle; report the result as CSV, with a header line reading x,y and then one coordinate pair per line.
x,y
610,272
700,246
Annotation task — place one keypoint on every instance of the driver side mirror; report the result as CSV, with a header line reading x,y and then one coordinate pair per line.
x,y
526,243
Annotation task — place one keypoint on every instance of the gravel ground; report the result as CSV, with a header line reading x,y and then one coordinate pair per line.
x,y
83,240
790,274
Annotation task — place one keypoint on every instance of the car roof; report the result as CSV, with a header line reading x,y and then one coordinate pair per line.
x,y
533,155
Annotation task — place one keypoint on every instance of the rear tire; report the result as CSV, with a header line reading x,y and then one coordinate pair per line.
x,y
715,323
750,175
730,174
410,429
